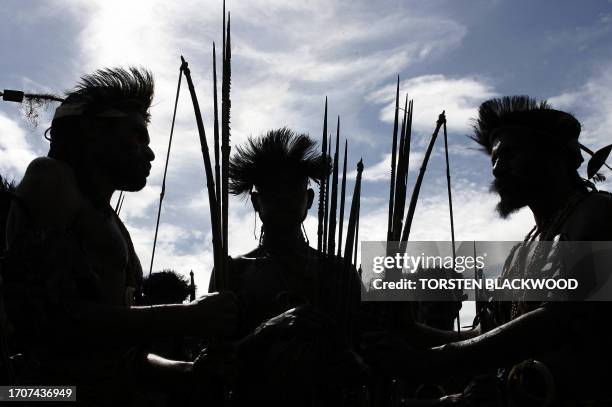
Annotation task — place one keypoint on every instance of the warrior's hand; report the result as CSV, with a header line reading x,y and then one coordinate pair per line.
x,y
392,356
302,321
218,360
216,314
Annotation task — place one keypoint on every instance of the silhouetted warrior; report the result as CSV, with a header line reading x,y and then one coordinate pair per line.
x,y
287,352
71,273
165,287
535,155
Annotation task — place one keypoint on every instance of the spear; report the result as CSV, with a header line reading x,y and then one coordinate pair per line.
x,y
216,122
322,185
393,163
225,134
220,281
448,185
407,143
331,245
402,172
120,203
351,228
223,52
342,198
326,215
351,232
163,186
478,277
117,206
450,206
357,233
191,287
419,181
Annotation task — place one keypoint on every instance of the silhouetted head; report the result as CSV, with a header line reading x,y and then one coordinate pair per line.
x,y
275,169
101,127
529,144
165,287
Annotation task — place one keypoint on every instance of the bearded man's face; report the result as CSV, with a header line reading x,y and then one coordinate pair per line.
x,y
517,169
125,154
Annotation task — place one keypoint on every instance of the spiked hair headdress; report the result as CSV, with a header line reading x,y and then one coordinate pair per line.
x,y
109,92
560,129
279,151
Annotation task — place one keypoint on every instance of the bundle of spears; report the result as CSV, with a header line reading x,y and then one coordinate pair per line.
x,y
329,239
217,182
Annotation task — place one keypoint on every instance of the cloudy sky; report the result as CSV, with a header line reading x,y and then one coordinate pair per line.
x,y
287,57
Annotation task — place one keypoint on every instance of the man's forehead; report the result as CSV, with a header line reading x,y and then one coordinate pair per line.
x,y
282,181
134,118
510,136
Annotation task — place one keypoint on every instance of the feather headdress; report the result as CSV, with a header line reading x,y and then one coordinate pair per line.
x,y
279,151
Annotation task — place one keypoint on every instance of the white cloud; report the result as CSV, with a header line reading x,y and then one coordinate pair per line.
x,y
459,97
474,216
281,73
592,104
15,152
381,170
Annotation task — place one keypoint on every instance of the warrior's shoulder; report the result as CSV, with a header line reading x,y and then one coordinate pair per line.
x,y
49,190
48,169
241,263
592,218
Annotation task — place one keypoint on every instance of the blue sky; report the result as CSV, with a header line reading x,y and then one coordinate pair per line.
x,y
287,56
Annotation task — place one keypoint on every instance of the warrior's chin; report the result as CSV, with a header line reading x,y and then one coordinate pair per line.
x,y
506,207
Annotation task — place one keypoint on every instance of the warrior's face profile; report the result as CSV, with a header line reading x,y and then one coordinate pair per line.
x,y
124,152
100,129
523,168
515,168
282,202
533,149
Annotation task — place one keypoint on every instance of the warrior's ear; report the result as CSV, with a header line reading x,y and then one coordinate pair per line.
x,y
255,200
310,194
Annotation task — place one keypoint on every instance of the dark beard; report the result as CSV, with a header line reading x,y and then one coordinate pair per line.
x,y
511,200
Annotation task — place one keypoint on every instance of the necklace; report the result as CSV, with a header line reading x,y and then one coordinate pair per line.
x,y
286,261
525,263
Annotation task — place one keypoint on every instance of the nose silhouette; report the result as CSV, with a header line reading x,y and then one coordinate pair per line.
x,y
149,154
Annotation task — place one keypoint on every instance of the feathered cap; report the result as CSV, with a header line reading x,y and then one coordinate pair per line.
x,y
561,129
109,93
279,151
